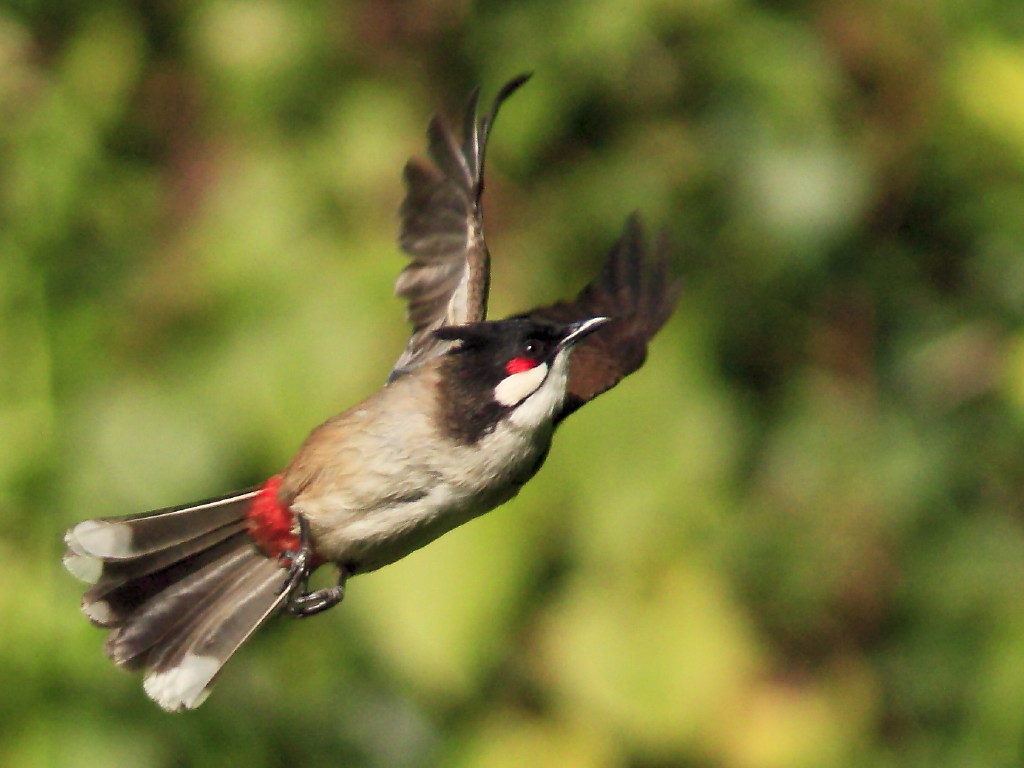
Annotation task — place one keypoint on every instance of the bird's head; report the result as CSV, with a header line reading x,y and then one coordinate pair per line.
x,y
516,368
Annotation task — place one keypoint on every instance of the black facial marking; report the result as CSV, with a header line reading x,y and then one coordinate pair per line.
x,y
472,369
468,410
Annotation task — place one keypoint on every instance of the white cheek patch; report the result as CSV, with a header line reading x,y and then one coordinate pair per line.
x,y
542,405
513,389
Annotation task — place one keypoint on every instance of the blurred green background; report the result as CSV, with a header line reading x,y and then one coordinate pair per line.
x,y
793,539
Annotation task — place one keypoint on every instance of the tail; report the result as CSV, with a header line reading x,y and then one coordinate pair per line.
x,y
180,589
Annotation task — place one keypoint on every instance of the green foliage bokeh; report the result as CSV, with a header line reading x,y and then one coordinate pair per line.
x,y
793,539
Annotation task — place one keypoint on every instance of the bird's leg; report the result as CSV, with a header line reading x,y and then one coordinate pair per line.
x,y
302,602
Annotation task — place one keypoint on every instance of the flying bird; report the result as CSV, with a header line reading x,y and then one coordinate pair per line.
x,y
465,419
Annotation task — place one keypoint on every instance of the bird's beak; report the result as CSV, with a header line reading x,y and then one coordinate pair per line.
x,y
576,331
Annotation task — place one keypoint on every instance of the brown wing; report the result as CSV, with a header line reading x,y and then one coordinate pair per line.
x,y
442,230
635,288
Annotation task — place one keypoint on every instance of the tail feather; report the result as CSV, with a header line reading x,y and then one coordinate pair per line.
x,y
180,589
181,674
121,538
124,585
173,610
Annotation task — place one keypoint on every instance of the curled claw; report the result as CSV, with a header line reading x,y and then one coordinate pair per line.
x,y
312,603
302,602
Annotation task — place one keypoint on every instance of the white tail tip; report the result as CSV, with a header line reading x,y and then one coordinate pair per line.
x,y
101,539
185,686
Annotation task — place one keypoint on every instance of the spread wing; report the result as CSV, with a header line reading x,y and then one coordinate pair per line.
x,y
635,287
442,231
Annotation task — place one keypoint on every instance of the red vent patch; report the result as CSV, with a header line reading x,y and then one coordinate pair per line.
x,y
271,522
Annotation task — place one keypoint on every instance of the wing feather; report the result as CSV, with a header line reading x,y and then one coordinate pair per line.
x,y
447,281
635,287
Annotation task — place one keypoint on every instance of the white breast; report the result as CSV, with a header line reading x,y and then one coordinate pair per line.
x,y
413,486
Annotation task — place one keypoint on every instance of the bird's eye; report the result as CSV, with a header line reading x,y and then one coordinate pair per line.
x,y
534,348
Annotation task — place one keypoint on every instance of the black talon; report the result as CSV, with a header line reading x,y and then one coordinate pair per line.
x,y
302,602
312,603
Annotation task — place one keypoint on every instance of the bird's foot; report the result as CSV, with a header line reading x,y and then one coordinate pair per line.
x,y
312,603
301,602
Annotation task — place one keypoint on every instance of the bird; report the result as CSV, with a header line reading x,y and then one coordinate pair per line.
x,y
464,420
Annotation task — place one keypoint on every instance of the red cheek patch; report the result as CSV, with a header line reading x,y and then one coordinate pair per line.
x,y
519,364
